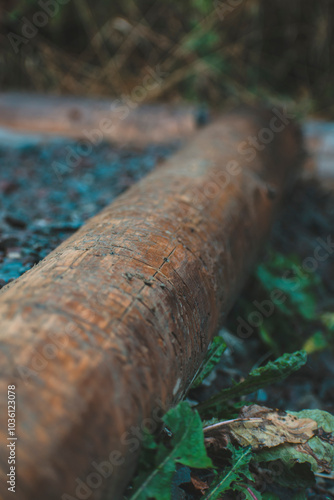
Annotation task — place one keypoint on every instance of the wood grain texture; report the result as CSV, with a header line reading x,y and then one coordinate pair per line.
x,y
113,325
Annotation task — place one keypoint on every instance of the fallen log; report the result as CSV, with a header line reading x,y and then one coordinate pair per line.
x,y
96,119
110,329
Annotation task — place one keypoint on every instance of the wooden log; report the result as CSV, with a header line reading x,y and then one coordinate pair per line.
x,y
97,119
110,329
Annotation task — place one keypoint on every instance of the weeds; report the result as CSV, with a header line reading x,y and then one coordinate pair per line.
x,y
232,459
286,302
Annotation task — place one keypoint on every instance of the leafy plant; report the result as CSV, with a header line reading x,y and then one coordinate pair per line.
x,y
287,296
212,358
286,275
158,464
272,372
240,467
159,459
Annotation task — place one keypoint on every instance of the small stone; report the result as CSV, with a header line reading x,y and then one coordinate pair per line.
x,y
15,221
14,255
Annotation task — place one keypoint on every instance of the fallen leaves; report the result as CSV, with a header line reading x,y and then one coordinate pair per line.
x,y
199,485
318,451
293,438
261,427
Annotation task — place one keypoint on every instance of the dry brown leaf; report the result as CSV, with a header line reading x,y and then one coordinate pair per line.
x,y
199,485
260,427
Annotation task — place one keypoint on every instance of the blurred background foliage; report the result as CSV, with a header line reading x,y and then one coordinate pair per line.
x,y
212,51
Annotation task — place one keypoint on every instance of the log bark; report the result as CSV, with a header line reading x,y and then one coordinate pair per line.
x,y
110,329
94,120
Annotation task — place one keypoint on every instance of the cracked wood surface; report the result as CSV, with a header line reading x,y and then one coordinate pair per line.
x,y
113,325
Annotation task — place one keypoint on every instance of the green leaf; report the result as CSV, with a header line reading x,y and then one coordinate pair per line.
x,y
213,357
285,274
186,447
268,338
317,342
240,465
300,496
249,492
188,438
328,320
272,372
203,6
201,41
